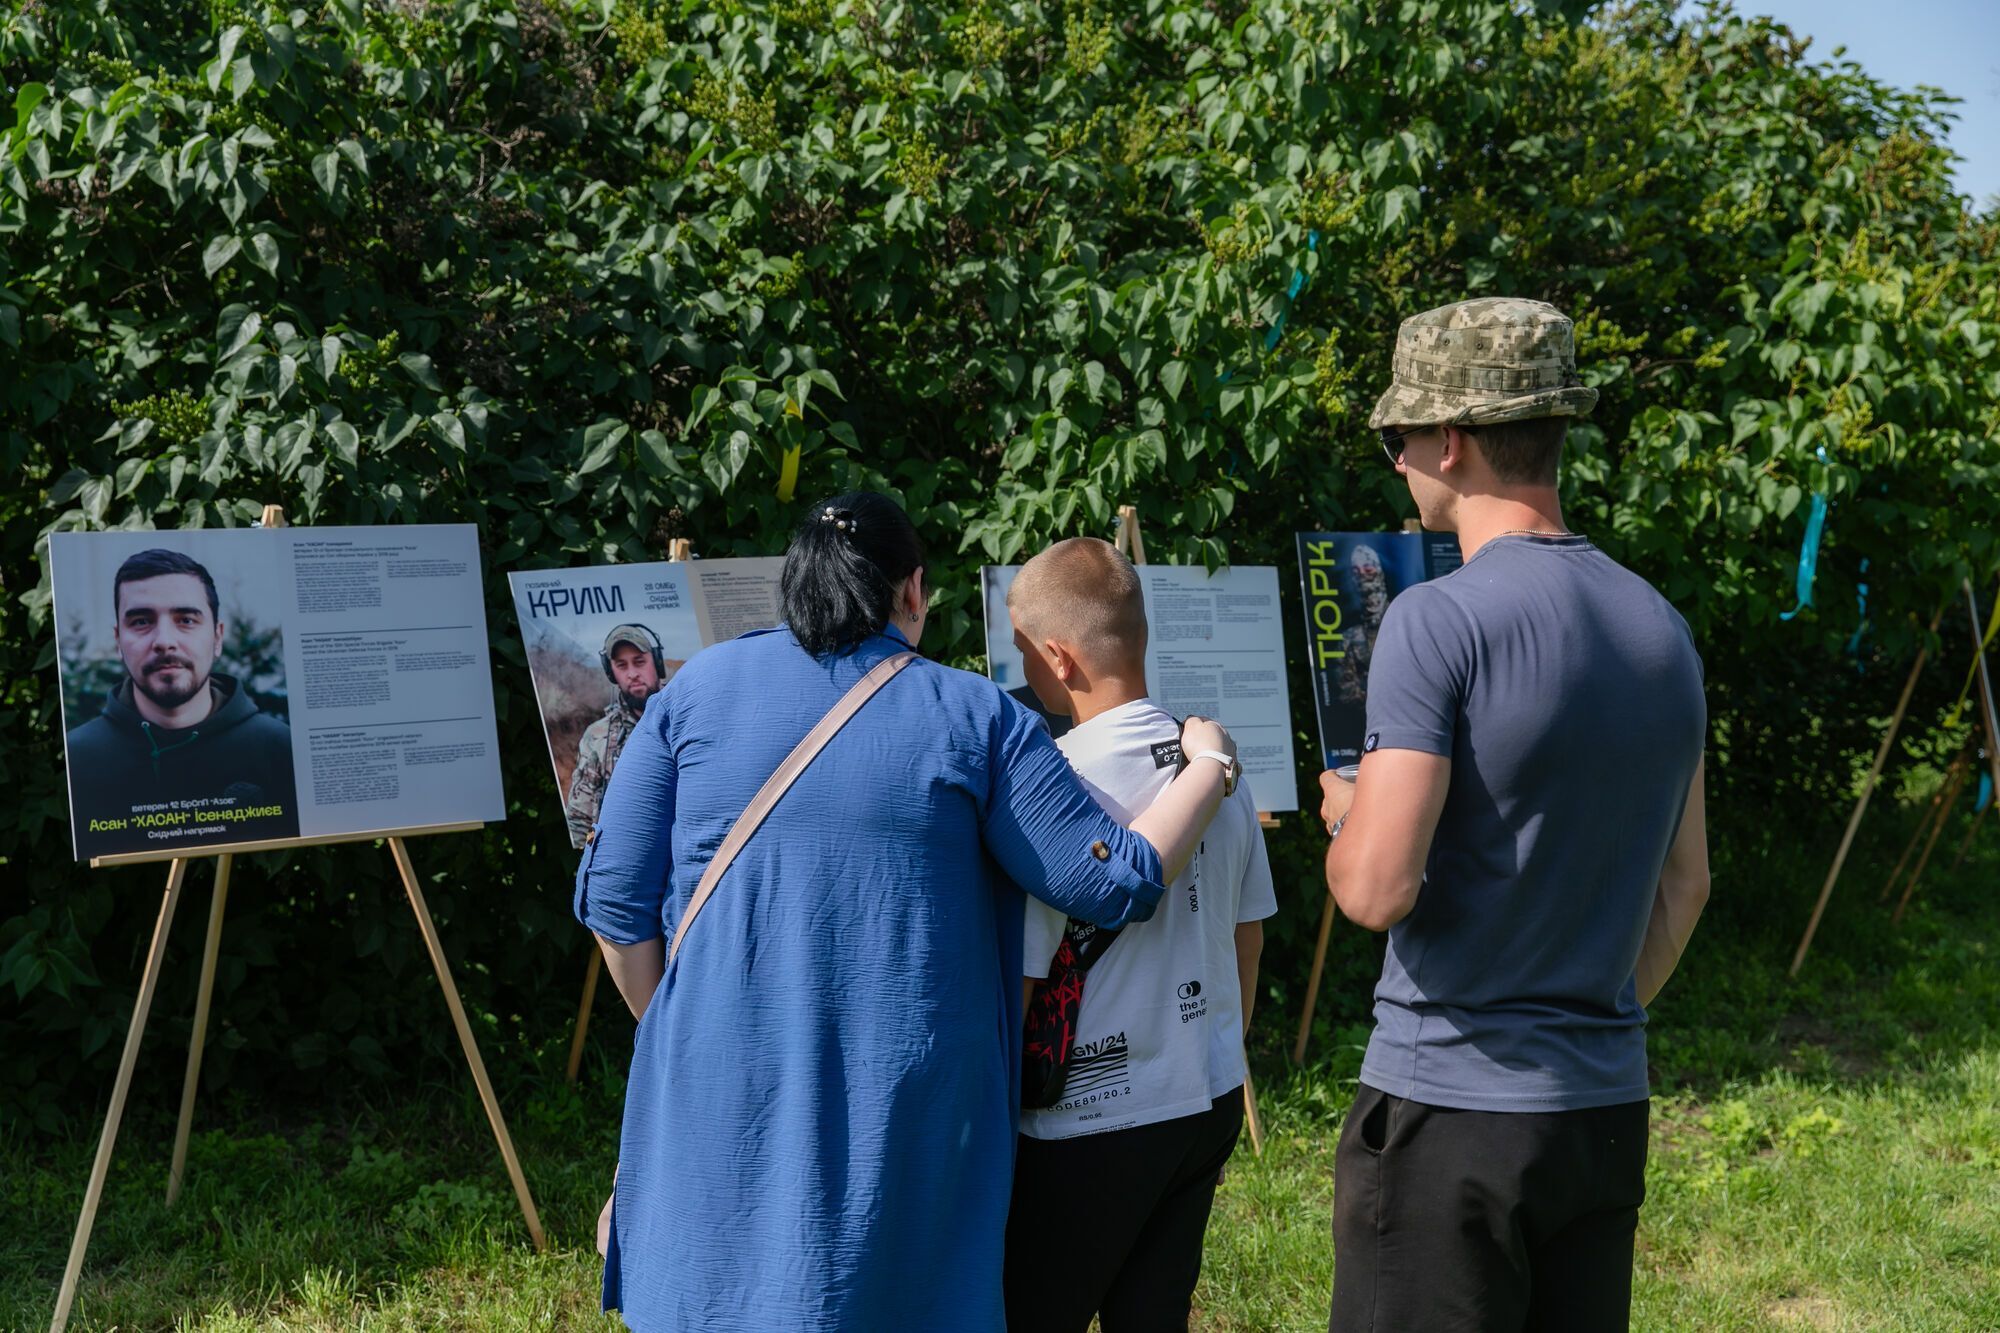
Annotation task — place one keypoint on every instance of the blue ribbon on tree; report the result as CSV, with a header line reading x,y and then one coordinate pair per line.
x,y
1861,606
1809,550
1985,793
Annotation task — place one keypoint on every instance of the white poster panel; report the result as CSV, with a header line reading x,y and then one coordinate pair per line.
x,y
234,685
604,639
1215,646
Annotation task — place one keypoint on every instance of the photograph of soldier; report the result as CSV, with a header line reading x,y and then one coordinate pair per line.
x,y
178,744
1371,588
634,661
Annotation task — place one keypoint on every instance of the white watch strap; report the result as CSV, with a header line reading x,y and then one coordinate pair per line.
x,y
1231,770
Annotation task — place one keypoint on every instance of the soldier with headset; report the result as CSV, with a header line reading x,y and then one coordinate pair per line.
x,y
634,661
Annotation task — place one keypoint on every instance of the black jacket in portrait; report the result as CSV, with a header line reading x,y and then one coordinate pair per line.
x,y
132,783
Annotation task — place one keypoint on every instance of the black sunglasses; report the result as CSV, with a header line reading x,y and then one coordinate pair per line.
x,y
1392,440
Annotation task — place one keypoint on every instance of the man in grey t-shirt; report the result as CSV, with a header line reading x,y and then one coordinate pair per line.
x,y
1528,827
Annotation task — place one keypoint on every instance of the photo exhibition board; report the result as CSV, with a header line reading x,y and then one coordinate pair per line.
x,y
1216,647
604,638
1349,579
242,685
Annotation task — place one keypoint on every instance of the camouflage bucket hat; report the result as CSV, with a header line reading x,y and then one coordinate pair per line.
x,y
1475,363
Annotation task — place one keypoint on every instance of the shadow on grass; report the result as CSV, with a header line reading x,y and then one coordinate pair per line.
x,y
284,1223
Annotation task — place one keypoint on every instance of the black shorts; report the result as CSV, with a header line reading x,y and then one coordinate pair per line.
x,y
1111,1224
1448,1220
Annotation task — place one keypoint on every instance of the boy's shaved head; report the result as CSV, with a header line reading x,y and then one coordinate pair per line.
x,y
1085,593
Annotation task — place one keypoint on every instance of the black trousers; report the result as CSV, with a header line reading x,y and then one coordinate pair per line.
x,y
1450,1220
1111,1224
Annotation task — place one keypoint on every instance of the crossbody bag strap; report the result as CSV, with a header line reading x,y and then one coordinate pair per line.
x,y
780,782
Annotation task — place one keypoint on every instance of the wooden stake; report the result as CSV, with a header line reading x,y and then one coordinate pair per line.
x,y
1250,1118
1916,836
1990,721
590,974
1954,781
458,1019
121,1087
1965,844
1987,709
1312,982
199,1038
1861,805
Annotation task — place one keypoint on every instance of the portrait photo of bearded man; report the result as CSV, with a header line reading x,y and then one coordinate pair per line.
x,y
634,661
176,729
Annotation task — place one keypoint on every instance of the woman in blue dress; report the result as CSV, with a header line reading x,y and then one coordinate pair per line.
x,y
819,1124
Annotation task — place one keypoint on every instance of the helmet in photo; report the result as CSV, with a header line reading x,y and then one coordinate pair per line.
x,y
639,637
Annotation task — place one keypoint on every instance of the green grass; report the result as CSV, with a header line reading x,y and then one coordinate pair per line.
x,y
1826,1155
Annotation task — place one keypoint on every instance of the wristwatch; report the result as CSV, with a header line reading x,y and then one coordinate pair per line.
x,y
1231,770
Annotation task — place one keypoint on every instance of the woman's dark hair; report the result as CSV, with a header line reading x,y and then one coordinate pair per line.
x,y
842,570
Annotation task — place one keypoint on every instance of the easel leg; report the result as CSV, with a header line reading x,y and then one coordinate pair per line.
x,y
583,1009
1931,813
1256,1126
1951,790
1971,833
1861,805
1312,982
452,1002
199,1038
121,1087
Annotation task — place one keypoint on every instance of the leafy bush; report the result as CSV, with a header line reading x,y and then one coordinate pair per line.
x,y
593,276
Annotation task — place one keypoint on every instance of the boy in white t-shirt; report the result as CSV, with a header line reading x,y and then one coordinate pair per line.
x,y
1113,1183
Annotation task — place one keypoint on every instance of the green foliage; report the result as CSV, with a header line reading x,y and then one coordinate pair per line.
x,y
586,275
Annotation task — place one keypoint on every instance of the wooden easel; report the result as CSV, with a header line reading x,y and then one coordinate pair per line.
x,y
1133,544
1867,792
1965,843
1326,913
274,517
1931,818
1962,767
680,548
1943,803
1989,710
1947,804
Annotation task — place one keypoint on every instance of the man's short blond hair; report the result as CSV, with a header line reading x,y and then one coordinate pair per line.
x,y
1083,592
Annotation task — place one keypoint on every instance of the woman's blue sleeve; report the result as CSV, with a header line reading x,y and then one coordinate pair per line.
x,y
1047,832
621,885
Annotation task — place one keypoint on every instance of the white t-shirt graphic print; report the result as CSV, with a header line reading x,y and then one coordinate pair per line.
x,y
1159,1033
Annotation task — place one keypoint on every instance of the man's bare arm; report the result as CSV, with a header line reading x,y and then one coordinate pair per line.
x,y
1375,868
1683,892
1249,949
